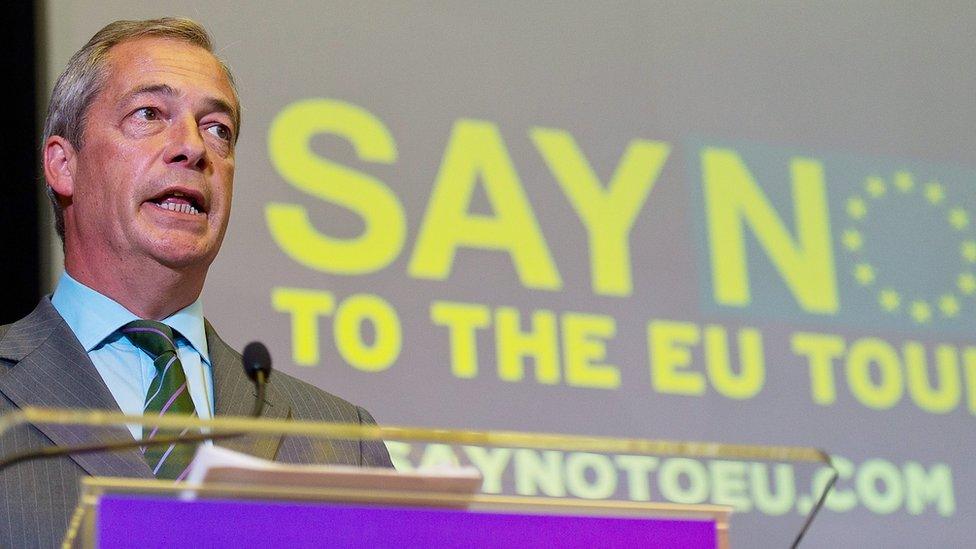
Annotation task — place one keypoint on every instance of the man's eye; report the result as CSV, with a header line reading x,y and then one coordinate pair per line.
x,y
147,113
221,131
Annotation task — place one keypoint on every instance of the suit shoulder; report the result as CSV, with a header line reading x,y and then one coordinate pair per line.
x,y
307,401
19,338
291,384
4,328
310,402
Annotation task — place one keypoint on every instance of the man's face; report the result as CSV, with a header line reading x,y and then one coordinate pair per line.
x,y
154,176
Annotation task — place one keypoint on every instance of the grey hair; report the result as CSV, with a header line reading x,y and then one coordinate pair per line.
x,y
85,75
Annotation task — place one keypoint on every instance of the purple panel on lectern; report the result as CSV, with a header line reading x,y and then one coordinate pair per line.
x,y
145,522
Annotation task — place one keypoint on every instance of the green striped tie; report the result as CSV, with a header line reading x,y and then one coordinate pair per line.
x,y
168,395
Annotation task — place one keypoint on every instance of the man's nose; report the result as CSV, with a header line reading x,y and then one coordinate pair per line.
x,y
186,145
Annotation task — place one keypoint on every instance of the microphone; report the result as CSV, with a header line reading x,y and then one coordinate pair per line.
x,y
257,366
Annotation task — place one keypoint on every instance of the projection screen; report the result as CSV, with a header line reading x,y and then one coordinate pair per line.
x,y
746,222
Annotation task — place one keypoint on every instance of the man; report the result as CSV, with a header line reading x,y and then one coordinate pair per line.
x,y
139,162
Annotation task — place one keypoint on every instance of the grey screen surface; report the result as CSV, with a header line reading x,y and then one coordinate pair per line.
x,y
743,222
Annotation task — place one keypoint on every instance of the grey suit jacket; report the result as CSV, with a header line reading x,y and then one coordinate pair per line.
x,y
42,363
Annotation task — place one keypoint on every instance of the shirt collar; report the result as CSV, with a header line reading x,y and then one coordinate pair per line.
x,y
188,321
94,317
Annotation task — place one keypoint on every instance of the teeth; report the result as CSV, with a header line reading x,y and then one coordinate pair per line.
x,y
183,208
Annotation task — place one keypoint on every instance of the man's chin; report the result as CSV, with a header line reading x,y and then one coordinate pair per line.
x,y
184,256
179,247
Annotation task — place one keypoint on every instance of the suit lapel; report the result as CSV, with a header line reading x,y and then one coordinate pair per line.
x,y
234,395
53,370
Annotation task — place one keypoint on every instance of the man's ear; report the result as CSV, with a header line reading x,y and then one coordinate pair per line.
x,y
59,165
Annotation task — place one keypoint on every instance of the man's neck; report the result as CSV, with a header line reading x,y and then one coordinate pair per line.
x,y
151,292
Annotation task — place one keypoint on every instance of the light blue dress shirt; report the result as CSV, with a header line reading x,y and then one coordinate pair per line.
x,y
128,371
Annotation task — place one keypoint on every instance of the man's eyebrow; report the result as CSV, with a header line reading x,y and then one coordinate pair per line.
x,y
210,103
215,104
151,89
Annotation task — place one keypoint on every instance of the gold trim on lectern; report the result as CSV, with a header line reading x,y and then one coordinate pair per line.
x,y
541,441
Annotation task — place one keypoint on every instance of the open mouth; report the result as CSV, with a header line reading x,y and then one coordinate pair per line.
x,y
177,201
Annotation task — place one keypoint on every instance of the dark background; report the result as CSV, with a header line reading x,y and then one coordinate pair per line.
x,y
20,279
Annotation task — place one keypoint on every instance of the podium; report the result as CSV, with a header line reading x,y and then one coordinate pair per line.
x,y
115,514
122,512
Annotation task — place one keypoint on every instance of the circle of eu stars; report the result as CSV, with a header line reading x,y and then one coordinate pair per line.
x,y
896,301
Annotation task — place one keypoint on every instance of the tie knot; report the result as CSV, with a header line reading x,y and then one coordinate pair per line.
x,y
154,338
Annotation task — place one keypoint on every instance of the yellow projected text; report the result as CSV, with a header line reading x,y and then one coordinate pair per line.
x,y
607,211
353,314
476,153
733,201
879,374
289,147
670,345
518,340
